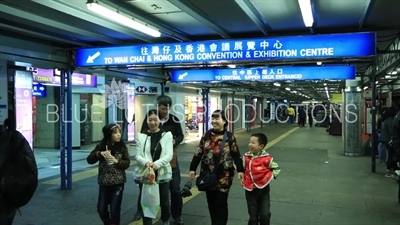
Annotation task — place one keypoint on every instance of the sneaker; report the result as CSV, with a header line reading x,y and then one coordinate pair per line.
x,y
390,175
178,221
137,216
165,223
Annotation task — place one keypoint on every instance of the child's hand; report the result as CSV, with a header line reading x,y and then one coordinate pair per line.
x,y
241,177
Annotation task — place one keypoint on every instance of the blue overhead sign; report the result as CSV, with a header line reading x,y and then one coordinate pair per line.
x,y
39,90
266,74
269,48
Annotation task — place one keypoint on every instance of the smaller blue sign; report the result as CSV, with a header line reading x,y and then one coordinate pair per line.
x,y
39,90
266,74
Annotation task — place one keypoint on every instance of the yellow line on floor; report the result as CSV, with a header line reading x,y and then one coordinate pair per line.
x,y
280,138
194,190
78,176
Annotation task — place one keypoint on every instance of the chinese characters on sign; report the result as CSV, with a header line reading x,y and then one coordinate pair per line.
x,y
274,48
265,74
218,51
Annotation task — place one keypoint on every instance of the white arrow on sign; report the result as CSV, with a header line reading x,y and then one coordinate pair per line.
x,y
91,58
41,88
181,76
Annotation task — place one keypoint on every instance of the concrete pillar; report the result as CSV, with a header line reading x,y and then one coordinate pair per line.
x,y
352,118
389,99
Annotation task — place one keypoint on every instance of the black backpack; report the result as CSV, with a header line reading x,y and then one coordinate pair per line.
x,y
18,169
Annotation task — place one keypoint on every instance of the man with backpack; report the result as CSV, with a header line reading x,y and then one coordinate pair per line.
x,y
18,173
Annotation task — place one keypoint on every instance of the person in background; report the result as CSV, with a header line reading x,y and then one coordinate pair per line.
x,y
302,116
386,137
113,157
171,123
311,113
381,146
260,170
154,149
291,114
209,148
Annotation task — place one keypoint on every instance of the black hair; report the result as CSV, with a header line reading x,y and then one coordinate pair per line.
x,y
108,130
151,112
262,138
219,113
164,100
391,112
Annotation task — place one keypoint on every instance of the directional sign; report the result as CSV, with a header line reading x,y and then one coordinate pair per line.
x,y
39,90
266,74
271,48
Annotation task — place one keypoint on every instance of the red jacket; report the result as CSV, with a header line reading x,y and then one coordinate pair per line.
x,y
258,173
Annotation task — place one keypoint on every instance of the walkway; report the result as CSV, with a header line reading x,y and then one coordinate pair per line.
x,y
317,186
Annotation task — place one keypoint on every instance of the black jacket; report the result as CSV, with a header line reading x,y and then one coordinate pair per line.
x,y
172,124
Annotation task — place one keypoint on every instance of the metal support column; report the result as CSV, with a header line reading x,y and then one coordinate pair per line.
x,y
374,138
69,128
66,129
248,113
205,93
232,113
163,88
262,112
63,178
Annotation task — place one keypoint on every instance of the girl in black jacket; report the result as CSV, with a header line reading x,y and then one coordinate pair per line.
x,y
113,158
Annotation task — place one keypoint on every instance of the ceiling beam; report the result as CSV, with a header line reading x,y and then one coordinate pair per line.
x,y
192,11
385,62
83,15
254,15
41,35
366,14
128,9
54,24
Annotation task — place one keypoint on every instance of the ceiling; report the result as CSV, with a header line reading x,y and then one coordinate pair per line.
x,y
69,25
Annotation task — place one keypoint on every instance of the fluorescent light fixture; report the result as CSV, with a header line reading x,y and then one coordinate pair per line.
x,y
277,84
365,88
319,63
233,66
306,12
121,19
392,73
287,89
387,76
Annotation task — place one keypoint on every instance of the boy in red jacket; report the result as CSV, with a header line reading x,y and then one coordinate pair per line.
x,y
260,169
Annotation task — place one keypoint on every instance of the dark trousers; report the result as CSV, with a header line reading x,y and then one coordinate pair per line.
x,y
176,197
109,203
258,205
391,162
218,207
175,189
7,215
164,204
310,121
302,121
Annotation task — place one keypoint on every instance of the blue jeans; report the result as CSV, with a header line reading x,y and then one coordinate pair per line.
x,y
109,203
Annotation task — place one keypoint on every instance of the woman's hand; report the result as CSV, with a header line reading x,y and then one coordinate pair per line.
x,y
192,175
241,177
153,166
148,164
